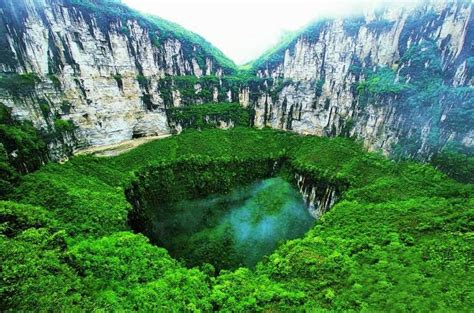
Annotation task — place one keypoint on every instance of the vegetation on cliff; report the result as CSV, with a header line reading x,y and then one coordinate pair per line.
x,y
419,88
85,235
210,115
22,150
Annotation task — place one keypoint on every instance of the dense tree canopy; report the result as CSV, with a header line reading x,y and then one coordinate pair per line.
x,y
399,239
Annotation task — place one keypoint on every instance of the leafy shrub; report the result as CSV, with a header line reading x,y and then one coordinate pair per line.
x,y
44,107
63,125
381,82
142,81
455,164
8,174
55,80
24,146
119,80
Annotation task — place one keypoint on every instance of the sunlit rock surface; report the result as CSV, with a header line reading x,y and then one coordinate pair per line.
x,y
97,71
327,54
110,80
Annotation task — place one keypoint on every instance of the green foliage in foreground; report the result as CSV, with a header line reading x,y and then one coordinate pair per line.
x,y
457,165
22,149
400,239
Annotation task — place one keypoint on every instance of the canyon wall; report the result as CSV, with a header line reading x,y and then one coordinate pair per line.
x,y
91,73
110,75
318,196
315,78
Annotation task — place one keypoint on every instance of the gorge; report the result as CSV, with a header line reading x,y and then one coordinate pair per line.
x,y
252,207
112,74
332,173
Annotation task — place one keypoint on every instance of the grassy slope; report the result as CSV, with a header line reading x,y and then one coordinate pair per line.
x,y
400,239
184,34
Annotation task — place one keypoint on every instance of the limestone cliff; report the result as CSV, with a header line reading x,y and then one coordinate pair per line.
x,y
104,69
95,72
317,79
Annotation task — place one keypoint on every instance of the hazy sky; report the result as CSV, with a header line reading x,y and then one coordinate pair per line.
x,y
246,28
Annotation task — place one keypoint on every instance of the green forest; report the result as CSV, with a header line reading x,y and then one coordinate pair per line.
x,y
139,171
399,230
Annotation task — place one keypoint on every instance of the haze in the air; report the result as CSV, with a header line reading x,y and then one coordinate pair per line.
x,y
244,29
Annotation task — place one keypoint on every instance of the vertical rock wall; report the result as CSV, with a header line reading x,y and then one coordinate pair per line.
x,y
315,77
104,74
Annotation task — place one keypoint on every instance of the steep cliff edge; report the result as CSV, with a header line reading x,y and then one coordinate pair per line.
x,y
91,73
400,79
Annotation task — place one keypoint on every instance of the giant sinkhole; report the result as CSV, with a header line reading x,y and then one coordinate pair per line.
x,y
224,212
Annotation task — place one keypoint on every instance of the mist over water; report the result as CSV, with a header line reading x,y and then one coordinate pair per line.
x,y
275,212
237,228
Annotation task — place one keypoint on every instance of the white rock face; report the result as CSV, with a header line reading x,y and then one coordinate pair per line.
x,y
88,59
244,97
152,124
102,91
328,57
318,200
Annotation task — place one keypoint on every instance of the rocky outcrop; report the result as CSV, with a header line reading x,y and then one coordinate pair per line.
x,y
315,77
318,197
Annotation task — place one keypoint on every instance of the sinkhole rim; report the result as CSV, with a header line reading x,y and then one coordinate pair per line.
x,y
270,167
